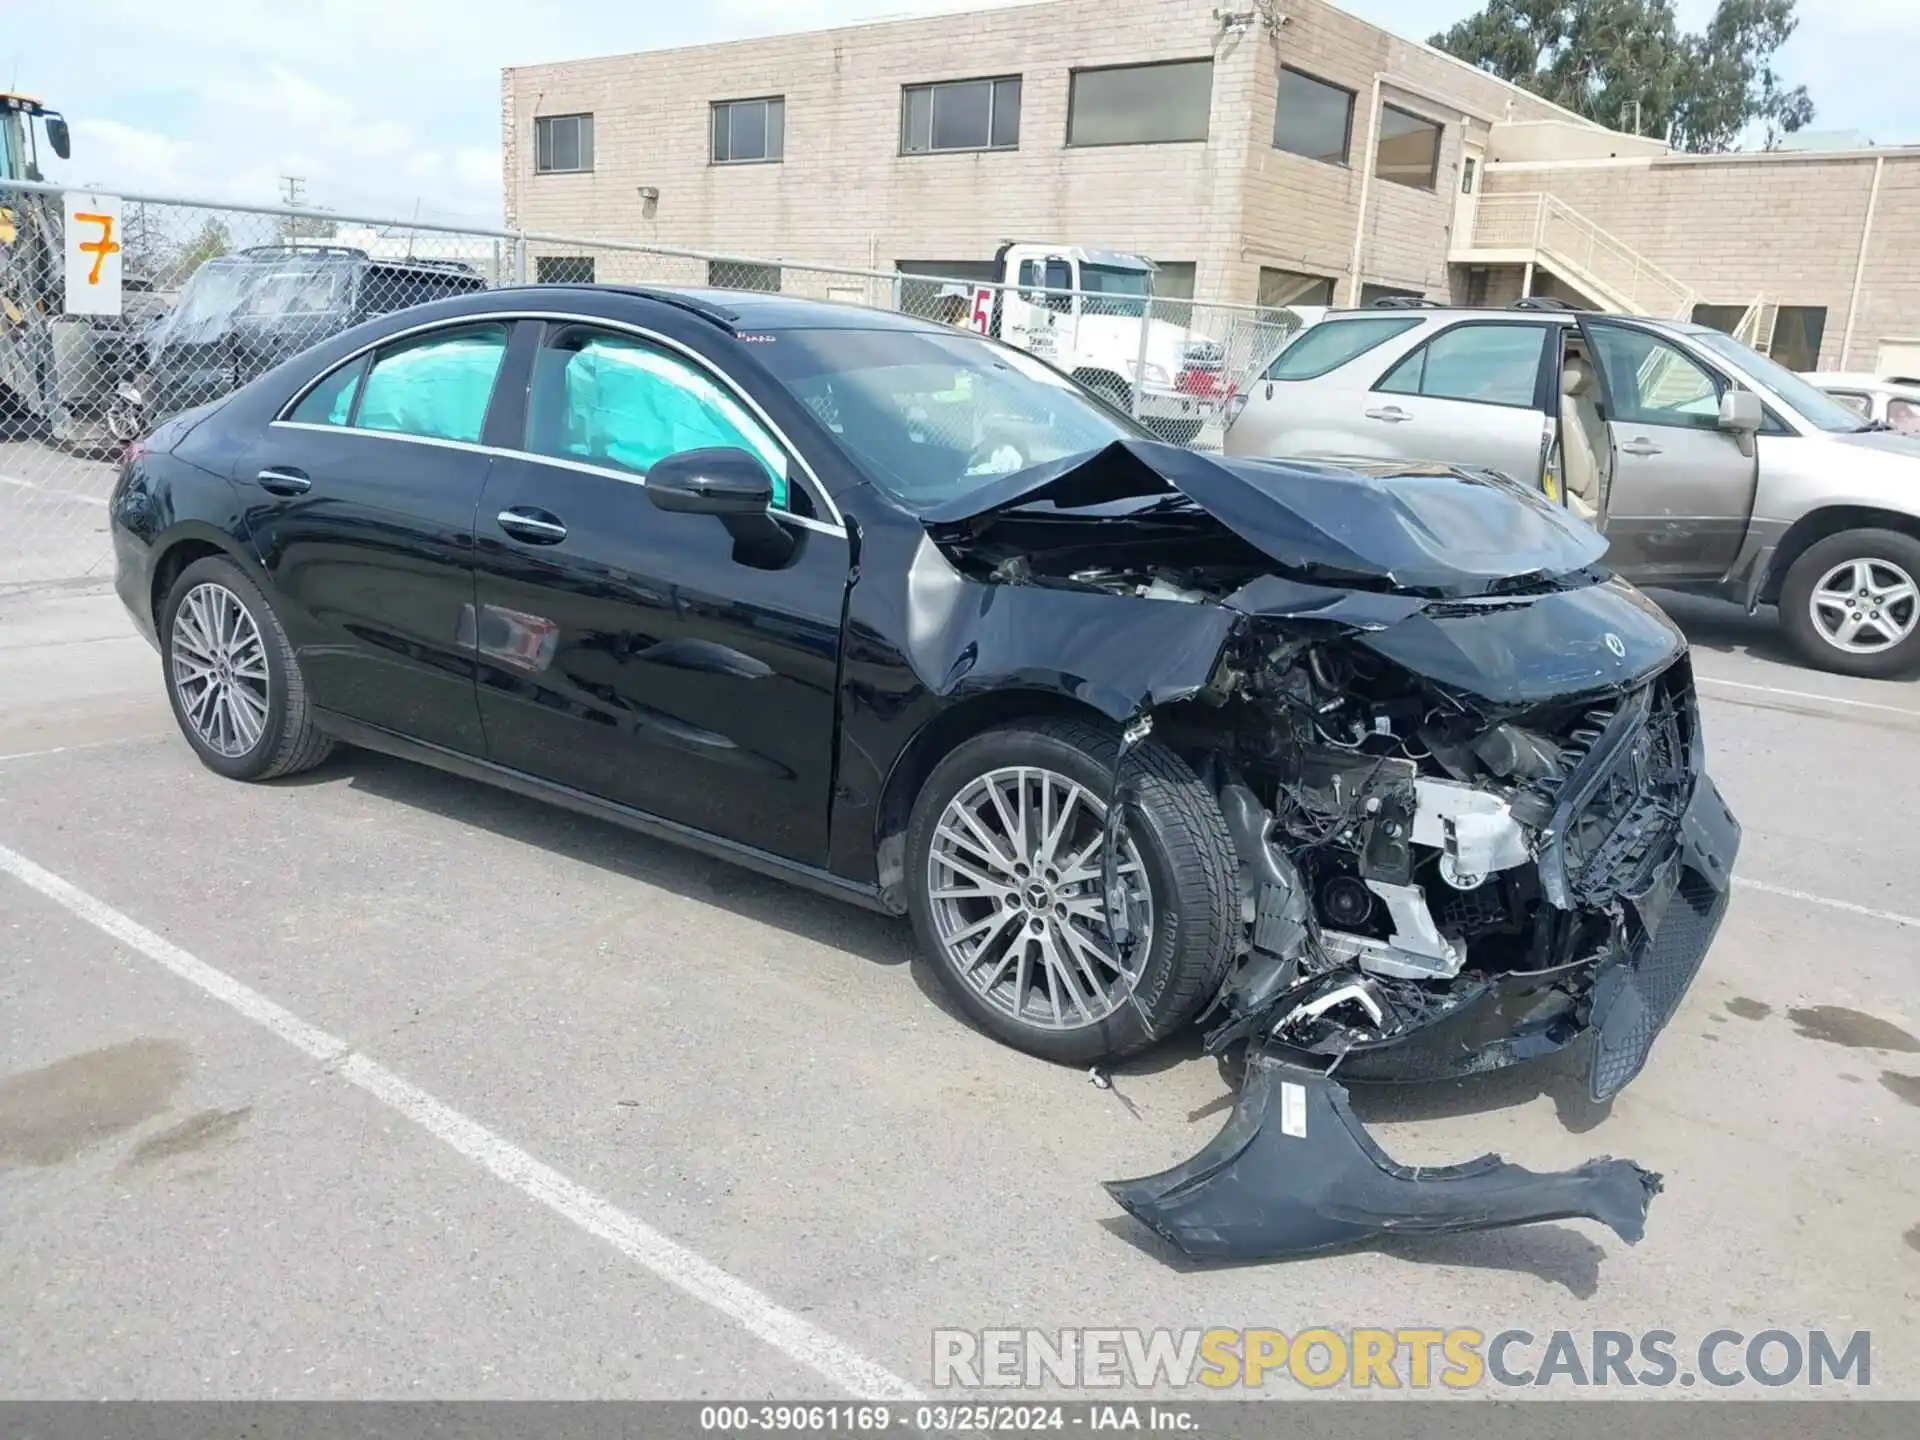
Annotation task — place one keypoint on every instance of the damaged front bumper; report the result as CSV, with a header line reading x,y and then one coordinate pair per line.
x,y
1294,1172
1624,1000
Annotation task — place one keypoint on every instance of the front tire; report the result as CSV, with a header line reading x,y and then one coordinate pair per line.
x,y
232,677
1851,604
1003,857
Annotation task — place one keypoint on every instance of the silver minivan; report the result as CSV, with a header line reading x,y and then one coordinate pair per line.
x,y
1708,466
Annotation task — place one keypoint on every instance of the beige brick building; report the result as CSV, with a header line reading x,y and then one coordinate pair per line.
x,y
1255,151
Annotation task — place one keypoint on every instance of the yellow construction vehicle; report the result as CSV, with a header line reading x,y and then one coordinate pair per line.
x,y
60,375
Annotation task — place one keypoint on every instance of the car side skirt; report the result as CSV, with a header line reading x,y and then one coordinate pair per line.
x,y
472,767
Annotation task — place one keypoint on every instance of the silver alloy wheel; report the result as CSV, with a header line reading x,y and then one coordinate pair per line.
x,y
219,670
1865,606
1013,880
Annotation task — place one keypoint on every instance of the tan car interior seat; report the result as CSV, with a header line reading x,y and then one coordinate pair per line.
x,y
1584,448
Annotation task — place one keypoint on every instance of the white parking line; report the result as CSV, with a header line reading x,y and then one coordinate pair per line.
x,y
1892,917
1808,695
39,489
798,1339
88,745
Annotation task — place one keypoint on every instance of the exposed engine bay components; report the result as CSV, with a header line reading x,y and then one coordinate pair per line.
x,y
1294,1172
1465,794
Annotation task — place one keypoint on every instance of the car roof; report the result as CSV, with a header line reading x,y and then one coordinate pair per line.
x,y
266,256
1551,311
748,309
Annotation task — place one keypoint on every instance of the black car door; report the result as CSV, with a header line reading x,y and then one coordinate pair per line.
x,y
641,655
362,510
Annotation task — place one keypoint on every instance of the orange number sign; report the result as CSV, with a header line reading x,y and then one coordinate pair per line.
x,y
101,248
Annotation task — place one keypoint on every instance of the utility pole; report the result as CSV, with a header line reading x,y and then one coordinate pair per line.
x,y
293,194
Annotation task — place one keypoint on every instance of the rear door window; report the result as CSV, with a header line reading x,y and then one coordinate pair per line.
x,y
1485,364
436,386
331,401
1332,343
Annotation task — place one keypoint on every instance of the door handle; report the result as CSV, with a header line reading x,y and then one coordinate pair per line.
x,y
1640,446
1392,414
536,527
285,481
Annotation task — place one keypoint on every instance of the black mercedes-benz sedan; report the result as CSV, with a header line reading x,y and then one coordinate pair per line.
x,y
1379,768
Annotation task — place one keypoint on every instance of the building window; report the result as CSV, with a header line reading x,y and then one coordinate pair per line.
x,y
960,115
563,269
1140,104
1409,149
1797,333
743,275
1293,287
562,144
1313,118
1724,318
749,130
1173,282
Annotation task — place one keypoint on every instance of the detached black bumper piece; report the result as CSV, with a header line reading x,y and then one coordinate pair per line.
x,y
1294,1172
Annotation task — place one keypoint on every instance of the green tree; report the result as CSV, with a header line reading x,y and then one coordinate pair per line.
x,y
1627,64
212,240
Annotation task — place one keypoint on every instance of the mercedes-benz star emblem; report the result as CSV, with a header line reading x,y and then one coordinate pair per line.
x,y
1616,645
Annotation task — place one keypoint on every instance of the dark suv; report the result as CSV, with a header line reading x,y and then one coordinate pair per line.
x,y
242,314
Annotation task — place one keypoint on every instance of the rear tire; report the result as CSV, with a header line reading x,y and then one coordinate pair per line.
x,y
232,677
1820,600
1184,865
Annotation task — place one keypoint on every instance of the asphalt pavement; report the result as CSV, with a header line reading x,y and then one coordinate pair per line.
x,y
380,1083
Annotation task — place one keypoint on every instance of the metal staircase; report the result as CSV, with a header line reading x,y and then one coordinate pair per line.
x,y
1756,327
1535,228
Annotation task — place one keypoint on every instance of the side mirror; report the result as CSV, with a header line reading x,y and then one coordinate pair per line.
x,y
58,138
733,485
717,481
1740,412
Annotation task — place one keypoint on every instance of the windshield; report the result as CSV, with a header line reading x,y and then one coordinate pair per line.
x,y
208,301
931,416
295,290
1816,407
1123,291
231,288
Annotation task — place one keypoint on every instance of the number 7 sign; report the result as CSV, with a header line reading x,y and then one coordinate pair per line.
x,y
92,254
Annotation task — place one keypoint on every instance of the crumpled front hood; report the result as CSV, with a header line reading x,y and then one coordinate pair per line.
x,y
1431,530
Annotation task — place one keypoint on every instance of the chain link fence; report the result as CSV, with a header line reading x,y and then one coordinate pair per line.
x,y
214,295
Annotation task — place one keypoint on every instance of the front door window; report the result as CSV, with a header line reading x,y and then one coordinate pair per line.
x,y
622,403
1653,382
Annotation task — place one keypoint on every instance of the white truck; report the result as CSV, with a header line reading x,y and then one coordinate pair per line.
x,y
1088,312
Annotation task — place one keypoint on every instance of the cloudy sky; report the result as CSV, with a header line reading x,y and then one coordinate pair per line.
x,y
394,104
